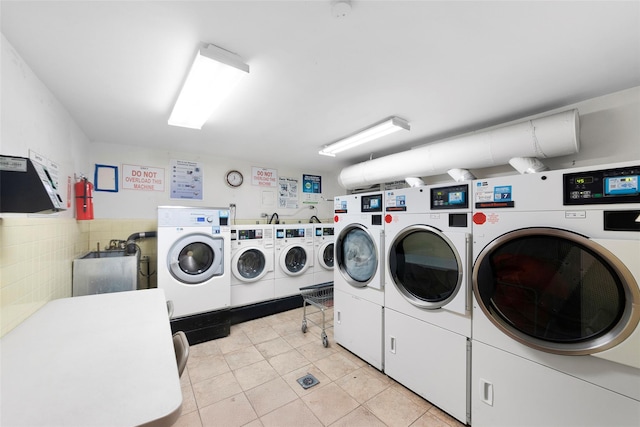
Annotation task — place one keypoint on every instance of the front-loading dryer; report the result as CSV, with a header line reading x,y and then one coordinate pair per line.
x,y
293,258
358,278
556,302
427,313
193,258
252,257
323,248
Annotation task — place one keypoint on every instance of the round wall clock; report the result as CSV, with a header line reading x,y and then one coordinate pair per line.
x,y
234,178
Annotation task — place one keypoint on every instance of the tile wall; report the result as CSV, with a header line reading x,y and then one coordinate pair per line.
x,y
37,253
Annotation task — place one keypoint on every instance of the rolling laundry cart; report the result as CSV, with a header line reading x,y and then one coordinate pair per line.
x,y
321,297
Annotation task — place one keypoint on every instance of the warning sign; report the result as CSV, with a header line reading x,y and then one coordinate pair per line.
x,y
142,178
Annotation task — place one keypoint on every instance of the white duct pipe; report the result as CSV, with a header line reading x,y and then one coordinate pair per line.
x,y
550,136
460,175
526,165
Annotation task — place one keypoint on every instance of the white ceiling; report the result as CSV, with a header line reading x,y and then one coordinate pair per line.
x,y
447,67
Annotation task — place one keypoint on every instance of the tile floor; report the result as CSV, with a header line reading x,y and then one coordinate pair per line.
x,y
249,379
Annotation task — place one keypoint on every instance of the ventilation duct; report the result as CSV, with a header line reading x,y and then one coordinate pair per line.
x,y
545,137
414,182
526,165
460,175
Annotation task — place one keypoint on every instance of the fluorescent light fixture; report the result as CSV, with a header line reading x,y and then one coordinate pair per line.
x,y
212,77
391,125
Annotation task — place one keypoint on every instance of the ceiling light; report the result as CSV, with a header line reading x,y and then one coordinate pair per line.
x,y
391,125
212,77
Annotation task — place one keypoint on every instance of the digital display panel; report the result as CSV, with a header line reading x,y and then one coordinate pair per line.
x,y
280,233
606,186
452,197
456,198
249,234
324,231
371,203
294,232
584,180
621,185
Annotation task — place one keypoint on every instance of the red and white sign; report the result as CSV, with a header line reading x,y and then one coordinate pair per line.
x,y
142,178
263,177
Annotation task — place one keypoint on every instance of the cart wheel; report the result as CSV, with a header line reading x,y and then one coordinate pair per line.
x,y
304,327
325,340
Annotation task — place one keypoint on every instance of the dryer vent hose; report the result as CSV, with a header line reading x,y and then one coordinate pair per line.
x,y
131,241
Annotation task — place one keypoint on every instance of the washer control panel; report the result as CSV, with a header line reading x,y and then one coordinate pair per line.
x,y
606,186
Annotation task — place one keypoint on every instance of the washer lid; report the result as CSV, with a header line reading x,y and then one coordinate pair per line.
x,y
294,260
326,255
249,265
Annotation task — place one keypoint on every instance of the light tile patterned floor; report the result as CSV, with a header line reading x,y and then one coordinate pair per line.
x,y
250,379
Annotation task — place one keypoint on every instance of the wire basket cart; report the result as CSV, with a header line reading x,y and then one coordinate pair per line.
x,y
319,296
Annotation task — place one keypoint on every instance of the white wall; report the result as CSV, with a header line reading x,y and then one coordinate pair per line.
x,y
33,119
250,200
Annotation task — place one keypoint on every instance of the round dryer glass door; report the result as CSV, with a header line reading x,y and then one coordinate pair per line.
x,y
424,267
251,265
196,258
294,261
556,291
357,255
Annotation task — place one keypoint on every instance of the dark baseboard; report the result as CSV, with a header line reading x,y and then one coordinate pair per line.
x,y
266,308
212,325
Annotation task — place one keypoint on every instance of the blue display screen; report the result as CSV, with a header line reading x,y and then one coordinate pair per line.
x,y
621,185
456,198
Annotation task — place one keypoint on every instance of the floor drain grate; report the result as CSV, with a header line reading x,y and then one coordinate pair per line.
x,y
308,381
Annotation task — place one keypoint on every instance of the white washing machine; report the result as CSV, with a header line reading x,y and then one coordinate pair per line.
x,y
193,258
323,248
252,255
428,294
293,258
358,279
556,298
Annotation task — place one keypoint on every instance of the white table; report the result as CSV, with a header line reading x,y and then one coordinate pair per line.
x,y
98,360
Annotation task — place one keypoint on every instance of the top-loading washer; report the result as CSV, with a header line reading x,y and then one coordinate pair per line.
x,y
556,297
293,258
193,258
427,293
252,257
323,248
358,278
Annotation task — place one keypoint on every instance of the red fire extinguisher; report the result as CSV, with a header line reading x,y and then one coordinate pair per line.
x,y
84,199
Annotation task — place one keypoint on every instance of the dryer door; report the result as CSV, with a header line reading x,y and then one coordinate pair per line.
x,y
196,258
357,255
249,264
425,266
557,291
294,260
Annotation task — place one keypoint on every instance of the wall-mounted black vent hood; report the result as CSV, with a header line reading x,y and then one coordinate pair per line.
x,y
26,187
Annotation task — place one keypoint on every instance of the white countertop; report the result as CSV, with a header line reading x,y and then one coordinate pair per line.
x,y
97,360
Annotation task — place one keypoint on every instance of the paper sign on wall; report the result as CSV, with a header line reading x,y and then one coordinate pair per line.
x,y
142,178
288,193
186,180
264,177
